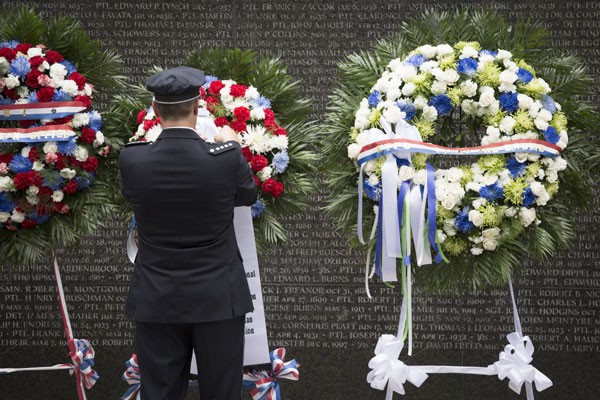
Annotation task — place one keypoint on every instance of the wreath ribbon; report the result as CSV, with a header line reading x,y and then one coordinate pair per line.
x,y
36,111
133,378
55,133
263,384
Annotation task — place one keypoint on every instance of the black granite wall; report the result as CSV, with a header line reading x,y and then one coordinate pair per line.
x,y
313,289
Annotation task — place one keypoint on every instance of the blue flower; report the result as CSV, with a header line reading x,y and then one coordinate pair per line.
x,y
20,164
281,161
488,53
442,104
415,60
515,167
262,102
11,45
32,97
528,198
69,67
53,180
467,66
524,76
509,102
551,135
84,182
374,98
548,103
257,208
20,67
95,120
462,222
208,79
372,192
39,219
5,100
67,148
7,204
492,192
61,95
408,108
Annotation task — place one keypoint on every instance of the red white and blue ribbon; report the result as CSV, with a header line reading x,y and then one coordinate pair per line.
x,y
133,378
263,384
46,133
37,111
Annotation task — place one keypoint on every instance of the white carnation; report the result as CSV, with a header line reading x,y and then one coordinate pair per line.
x,y
88,90
545,115
526,216
476,251
32,199
251,93
427,50
4,216
507,124
100,139
69,87
373,180
438,87
490,244
469,51
524,101
430,113
507,76
469,88
81,153
257,114
407,73
409,89
80,119
11,81
6,184
540,123
420,177
370,167
67,173
473,186
393,114
444,49
58,72
25,151
353,150
4,64
395,65
32,190
535,108
264,173
17,217
420,102
37,166
487,96
510,212
429,66
469,107
454,174
503,55
57,196
563,140
279,142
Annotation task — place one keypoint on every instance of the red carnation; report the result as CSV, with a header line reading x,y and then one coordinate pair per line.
x,y
269,114
70,187
26,123
212,103
238,90
247,153
61,208
6,158
241,113
271,124
45,94
79,79
258,163
148,124
22,180
61,121
91,164
44,191
202,92
141,116
59,164
256,181
36,61
7,53
34,154
53,56
273,187
238,126
280,131
23,47
32,79
11,94
221,121
215,87
88,135
27,224
87,102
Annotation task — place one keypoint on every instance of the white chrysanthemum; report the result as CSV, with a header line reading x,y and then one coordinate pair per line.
x,y
438,87
68,173
256,139
58,72
428,51
257,114
526,216
50,147
6,184
17,216
11,81
81,153
80,119
353,150
4,216
469,88
469,51
69,87
430,113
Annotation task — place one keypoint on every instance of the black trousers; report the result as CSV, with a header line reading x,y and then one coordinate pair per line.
x,y
164,353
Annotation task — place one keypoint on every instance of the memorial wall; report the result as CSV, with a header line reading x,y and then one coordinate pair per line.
x,y
313,288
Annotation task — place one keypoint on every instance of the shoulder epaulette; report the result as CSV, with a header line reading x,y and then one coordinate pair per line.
x,y
136,143
218,148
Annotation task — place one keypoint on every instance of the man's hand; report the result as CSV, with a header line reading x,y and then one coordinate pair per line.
x,y
226,134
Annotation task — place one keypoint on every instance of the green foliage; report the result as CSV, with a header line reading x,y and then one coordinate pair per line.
x,y
102,68
270,77
527,41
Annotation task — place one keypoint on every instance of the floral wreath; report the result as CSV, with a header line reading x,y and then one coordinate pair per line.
x,y
258,99
241,108
51,143
489,212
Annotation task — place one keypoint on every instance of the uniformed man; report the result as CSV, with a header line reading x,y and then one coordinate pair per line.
x,y
189,290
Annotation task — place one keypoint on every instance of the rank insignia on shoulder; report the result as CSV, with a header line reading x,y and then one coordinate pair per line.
x,y
219,148
136,143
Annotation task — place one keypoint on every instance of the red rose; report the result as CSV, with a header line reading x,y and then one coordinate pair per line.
x,y
273,187
27,224
258,163
247,153
32,79
87,102
148,124
88,135
36,61
256,181
23,47
215,87
11,94
238,126
91,164
34,154
45,94
212,104
53,56
141,116
241,113
280,131
269,114
78,79
6,158
70,187
7,53
238,90
221,121
26,123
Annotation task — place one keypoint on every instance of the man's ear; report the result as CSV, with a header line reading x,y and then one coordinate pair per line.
x,y
155,110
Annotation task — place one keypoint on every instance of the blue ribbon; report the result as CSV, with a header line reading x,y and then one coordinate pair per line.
x,y
431,214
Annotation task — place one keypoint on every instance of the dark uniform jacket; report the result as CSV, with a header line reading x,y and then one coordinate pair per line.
x,y
183,191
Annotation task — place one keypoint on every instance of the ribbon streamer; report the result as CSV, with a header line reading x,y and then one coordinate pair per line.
x,y
263,384
36,111
54,133
133,378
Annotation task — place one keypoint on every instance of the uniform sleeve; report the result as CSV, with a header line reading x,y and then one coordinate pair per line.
x,y
123,189
246,193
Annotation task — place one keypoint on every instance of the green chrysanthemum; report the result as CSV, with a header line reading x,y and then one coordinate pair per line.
x,y
461,45
455,94
492,163
449,62
559,121
425,128
489,75
419,160
492,215
454,246
523,121
514,189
